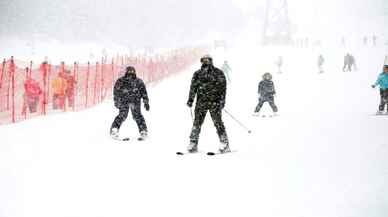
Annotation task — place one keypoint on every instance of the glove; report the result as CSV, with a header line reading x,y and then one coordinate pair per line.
x,y
222,104
373,86
147,106
190,103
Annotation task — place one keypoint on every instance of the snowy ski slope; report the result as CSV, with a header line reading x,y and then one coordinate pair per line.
x,y
324,156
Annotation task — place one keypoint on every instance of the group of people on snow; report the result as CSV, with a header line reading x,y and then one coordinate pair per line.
x,y
208,89
63,87
208,86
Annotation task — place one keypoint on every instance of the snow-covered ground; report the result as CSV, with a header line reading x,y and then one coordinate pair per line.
x,y
324,156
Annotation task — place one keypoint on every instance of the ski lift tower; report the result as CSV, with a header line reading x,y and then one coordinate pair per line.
x,y
277,26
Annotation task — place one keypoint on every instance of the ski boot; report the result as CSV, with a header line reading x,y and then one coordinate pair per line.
x,y
114,133
224,148
192,148
143,136
379,112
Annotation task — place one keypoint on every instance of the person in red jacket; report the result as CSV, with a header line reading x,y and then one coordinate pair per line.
x,y
70,88
32,94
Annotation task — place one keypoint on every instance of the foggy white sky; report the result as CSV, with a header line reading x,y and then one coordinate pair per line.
x,y
177,22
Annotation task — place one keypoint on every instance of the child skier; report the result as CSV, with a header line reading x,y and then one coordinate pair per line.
x,y
382,81
266,93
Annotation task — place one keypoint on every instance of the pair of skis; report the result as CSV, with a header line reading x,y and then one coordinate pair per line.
x,y
264,116
210,153
127,139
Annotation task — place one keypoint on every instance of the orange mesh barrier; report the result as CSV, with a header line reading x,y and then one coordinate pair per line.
x,y
30,92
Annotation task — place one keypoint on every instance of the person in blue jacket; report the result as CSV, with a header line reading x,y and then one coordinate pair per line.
x,y
382,82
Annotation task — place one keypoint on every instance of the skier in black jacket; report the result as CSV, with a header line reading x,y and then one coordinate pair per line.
x,y
266,93
127,94
209,86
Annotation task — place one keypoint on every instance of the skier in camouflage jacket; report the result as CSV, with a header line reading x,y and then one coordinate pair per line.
x,y
209,86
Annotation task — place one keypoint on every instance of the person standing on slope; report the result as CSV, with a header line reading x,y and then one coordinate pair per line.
x,y
321,60
382,81
128,92
227,70
279,64
349,63
266,93
208,85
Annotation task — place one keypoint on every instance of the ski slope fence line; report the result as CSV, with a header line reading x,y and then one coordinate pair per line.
x,y
36,90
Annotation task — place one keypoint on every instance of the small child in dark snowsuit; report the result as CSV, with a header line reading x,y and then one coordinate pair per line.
x,y
266,93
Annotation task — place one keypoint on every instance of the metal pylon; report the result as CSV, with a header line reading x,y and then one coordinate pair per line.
x,y
277,27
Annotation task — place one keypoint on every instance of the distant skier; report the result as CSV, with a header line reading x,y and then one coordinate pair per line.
x,y
209,86
374,39
321,60
227,70
382,81
266,93
279,64
365,40
127,94
349,63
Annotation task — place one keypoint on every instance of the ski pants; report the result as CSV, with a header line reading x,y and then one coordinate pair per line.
x,y
200,111
347,67
270,99
383,99
70,98
32,102
59,101
136,115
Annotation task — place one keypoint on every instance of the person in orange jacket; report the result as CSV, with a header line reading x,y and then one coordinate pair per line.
x,y
59,85
32,94
70,88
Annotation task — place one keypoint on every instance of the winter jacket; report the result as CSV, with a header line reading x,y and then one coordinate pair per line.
x,y
32,88
209,85
129,89
266,88
382,81
59,85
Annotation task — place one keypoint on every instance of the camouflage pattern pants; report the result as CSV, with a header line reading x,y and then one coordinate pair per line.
x,y
136,115
215,111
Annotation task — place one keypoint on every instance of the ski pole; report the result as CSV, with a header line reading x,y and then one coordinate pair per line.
x,y
242,125
191,113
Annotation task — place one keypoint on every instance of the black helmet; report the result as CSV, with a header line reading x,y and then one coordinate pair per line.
x,y
130,69
207,57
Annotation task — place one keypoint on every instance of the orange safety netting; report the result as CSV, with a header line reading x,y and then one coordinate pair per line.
x,y
30,92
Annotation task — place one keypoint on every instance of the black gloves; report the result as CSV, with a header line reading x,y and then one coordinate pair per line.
x,y
190,103
222,104
147,106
